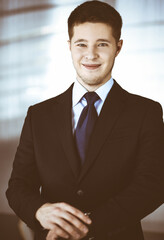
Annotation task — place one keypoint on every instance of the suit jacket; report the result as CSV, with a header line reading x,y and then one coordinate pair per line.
x,y
122,179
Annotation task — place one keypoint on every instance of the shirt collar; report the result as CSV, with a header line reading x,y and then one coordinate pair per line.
x,y
104,89
79,91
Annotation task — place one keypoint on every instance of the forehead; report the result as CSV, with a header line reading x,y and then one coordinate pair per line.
x,y
89,30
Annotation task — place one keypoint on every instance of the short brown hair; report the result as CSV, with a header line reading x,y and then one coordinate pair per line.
x,y
95,11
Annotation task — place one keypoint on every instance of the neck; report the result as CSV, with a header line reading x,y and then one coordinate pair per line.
x,y
91,87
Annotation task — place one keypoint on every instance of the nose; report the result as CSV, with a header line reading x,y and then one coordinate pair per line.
x,y
91,53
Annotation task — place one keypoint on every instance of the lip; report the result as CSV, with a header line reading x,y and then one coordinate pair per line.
x,y
91,66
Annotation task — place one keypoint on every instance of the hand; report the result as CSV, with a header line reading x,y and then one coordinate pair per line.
x,y
63,221
52,235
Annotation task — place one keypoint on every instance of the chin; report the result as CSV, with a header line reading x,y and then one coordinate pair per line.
x,y
92,82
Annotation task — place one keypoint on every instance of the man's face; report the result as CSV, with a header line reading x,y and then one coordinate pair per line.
x,y
93,49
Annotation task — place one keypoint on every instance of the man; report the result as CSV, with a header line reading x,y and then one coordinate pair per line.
x,y
90,162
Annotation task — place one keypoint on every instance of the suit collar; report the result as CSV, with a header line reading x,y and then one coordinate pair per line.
x,y
63,114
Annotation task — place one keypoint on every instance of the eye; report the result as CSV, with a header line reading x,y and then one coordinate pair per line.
x,y
81,45
102,45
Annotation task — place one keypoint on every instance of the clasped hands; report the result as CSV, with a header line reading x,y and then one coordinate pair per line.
x,y
63,221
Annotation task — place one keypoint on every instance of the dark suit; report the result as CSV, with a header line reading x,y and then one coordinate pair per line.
x,y
122,179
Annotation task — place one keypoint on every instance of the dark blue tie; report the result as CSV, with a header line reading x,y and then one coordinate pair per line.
x,y
86,124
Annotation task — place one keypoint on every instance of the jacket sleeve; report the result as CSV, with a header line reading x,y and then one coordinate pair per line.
x,y
145,192
23,192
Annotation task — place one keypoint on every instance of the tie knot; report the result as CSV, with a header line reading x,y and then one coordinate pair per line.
x,y
91,97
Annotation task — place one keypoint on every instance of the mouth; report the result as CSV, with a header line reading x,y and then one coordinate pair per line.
x,y
91,66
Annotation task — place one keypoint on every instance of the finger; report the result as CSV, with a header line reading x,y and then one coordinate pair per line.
x,y
76,212
50,236
68,227
57,233
70,219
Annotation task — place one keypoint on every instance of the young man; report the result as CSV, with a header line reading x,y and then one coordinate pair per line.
x,y
90,162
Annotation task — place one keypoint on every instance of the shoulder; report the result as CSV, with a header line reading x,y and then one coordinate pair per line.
x,y
137,105
145,110
138,101
48,104
142,103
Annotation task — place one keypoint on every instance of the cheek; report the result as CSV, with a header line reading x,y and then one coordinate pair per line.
x,y
77,55
110,56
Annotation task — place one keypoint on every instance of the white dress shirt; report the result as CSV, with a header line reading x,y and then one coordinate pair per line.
x,y
79,102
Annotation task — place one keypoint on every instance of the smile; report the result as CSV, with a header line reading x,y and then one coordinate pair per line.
x,y
91,66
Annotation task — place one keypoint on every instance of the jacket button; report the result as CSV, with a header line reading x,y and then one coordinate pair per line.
x,y
80,193
91,238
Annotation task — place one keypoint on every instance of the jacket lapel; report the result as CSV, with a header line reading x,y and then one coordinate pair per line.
x,y
63,116
112,108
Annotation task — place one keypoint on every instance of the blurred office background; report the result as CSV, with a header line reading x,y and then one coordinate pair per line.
x,y
35,64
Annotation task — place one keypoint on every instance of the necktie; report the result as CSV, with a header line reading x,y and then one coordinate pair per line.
x,y
86,124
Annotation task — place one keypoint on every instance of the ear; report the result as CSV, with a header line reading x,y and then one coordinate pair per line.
x,y
69,44
119,46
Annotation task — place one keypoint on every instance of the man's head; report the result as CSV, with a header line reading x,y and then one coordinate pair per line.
x,y
94,31
95,12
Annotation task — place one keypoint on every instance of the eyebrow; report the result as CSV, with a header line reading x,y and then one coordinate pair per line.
x,y
98,40
103,40
80,40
